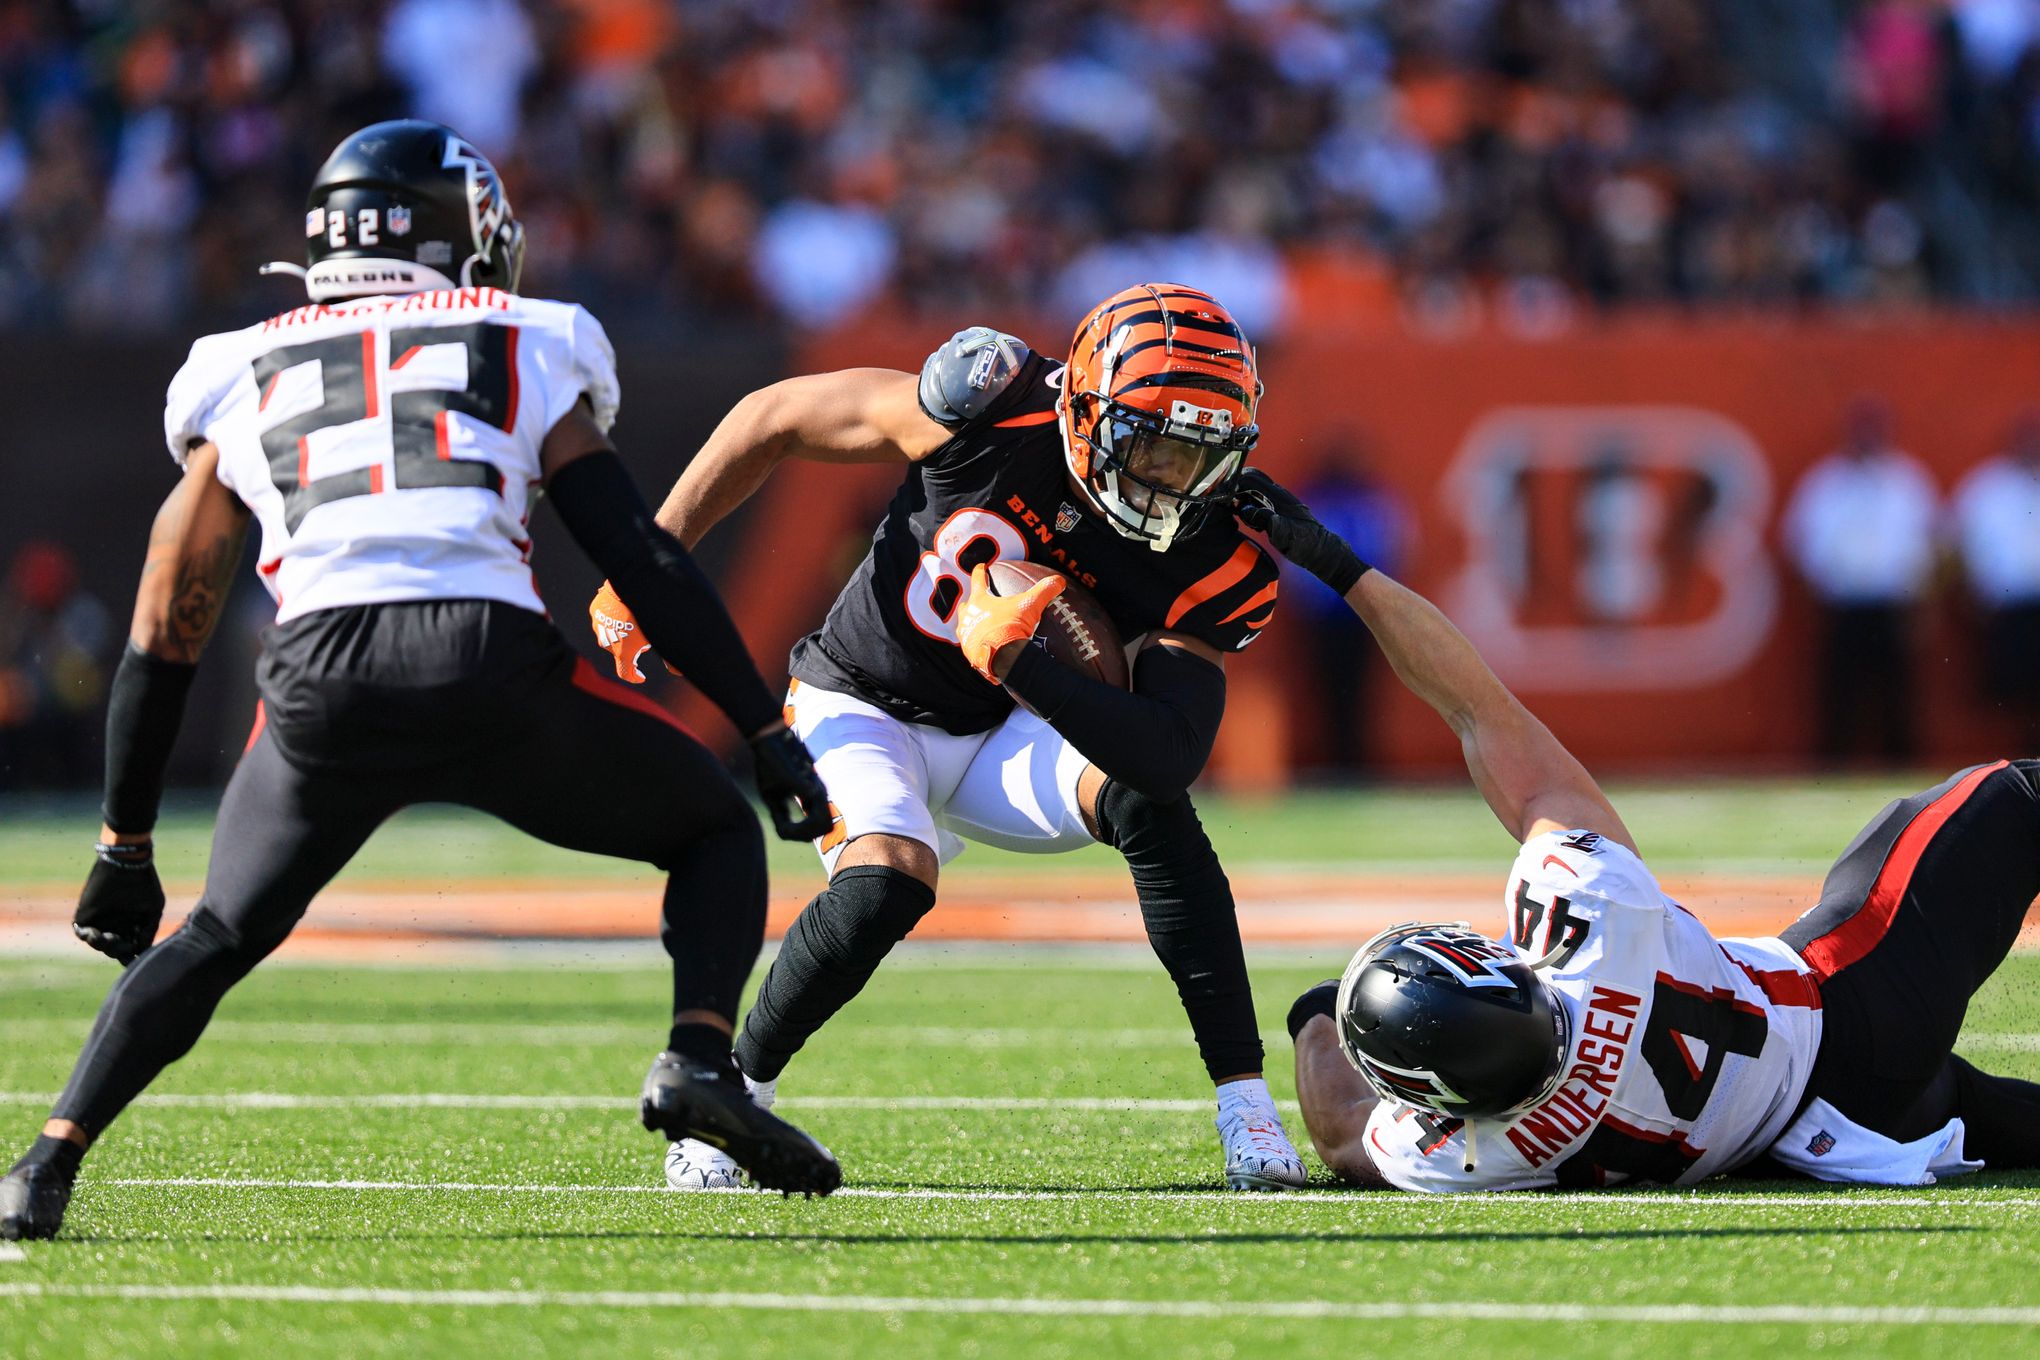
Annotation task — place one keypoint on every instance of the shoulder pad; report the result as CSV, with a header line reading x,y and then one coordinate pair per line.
x,y
967,373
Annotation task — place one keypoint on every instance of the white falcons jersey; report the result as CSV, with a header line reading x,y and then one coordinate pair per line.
x,y
388,446
1687,1054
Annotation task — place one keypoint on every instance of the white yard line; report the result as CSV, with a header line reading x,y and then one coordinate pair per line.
x,y
10,1253
1401,1204
1207,1309
441,1100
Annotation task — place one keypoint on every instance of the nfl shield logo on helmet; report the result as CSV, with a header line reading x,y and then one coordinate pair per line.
x,y
1067,517
399,220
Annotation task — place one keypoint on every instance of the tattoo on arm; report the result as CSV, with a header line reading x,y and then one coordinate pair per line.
x,y
205,574
194,546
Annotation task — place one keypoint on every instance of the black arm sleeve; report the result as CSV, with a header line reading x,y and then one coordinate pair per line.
x,y
144,709
677,606
1155,739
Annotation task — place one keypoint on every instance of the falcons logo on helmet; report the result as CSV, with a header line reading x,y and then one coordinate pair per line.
x,y
488,205
1470,957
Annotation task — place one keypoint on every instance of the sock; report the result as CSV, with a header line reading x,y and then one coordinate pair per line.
x,y
703,1043
1250,1091
57,1152
1187,905
830,951
763,1093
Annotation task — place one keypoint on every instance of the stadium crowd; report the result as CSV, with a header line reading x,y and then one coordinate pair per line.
x,y
1448,160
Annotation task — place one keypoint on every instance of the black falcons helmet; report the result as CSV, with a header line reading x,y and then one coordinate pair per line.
x,y
1437,1015
405,206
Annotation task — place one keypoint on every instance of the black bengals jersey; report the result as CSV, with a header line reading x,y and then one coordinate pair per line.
x,y
1000,489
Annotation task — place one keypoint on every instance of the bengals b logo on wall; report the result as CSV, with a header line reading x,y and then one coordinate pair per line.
x,y
1612,548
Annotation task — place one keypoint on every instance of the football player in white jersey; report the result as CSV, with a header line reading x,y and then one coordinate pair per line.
x,y
389,439
1605,1036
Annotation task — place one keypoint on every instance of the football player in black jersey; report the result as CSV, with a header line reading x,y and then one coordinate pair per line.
x,y
1116,469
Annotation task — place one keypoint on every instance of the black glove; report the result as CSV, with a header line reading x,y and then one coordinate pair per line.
x,y
792,791
1263,503
122,903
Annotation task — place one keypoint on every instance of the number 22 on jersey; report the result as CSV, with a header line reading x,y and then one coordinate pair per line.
x,y
378,417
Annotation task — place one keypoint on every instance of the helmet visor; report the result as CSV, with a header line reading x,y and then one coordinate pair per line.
x,y
1155,464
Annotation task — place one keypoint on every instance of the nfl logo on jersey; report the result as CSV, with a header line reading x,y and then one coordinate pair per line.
x,y
1823,1143
1066,518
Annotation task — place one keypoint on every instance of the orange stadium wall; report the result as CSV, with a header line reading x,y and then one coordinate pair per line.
x,y
1681,440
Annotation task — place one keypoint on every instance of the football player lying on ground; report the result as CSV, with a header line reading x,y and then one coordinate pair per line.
x,y
1607,1037
1115,469
387,439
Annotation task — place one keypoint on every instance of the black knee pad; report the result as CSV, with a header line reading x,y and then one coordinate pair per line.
x,y
867,909
1162,841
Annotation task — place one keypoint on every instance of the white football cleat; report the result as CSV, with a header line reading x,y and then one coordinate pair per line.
x,y
694,1165
1258,1154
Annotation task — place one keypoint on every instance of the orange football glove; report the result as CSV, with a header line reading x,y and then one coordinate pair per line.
x,y
988,622
617,631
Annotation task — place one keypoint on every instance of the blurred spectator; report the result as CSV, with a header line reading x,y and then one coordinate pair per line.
x,y
1860,527
1507,162
54,641
1344,494
1997,531
477,91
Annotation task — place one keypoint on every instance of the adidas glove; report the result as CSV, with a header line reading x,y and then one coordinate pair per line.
x,y
617,633
989,622
1263,503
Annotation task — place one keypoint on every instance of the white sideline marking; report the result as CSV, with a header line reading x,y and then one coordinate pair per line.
x,y
441,1100
1055,1307
1401,1203
10,1252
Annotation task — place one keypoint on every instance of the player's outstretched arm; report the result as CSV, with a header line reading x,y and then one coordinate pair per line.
x,y
857,415
1529,779
194,546
680,612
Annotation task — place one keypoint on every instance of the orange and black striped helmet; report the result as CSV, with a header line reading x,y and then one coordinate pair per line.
x,y
1158,408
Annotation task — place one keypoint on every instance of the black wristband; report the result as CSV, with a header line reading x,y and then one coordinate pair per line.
x,y
144,709
1322,999
1343,570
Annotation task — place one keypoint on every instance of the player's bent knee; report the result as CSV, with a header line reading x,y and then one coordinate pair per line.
x,y
1128,819
867,909
902,854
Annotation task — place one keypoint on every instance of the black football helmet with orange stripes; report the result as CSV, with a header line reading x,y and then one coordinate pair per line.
x,y
1437,1015
406,206
1158,409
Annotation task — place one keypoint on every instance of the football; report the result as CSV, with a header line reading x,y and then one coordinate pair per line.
x,y
1075,628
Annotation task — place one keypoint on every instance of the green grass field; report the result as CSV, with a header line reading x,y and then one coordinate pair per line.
x,y
410,1161
1780,825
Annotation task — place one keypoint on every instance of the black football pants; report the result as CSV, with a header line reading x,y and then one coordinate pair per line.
x,y
371,709
1914,917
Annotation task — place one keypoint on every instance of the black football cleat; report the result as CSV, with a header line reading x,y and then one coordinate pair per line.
x,y
32,1202
685,1098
